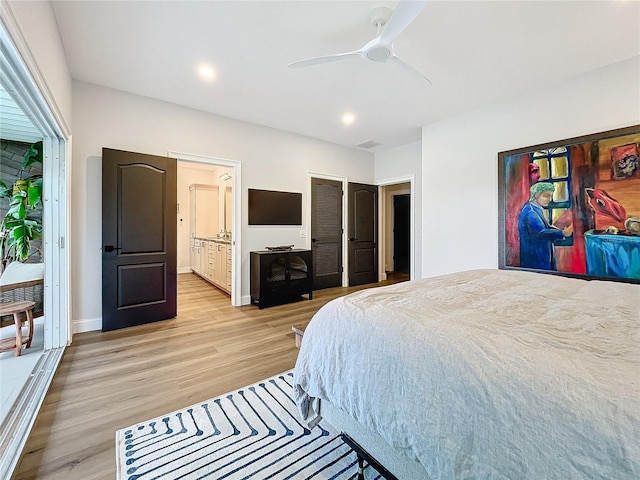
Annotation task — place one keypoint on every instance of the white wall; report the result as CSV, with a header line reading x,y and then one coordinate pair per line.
x,y
400,163
460,158
38,41
271,159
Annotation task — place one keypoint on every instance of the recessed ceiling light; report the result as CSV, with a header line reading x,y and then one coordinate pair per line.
x,y
206,72
348,118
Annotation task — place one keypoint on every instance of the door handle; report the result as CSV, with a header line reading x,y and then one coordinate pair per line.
x,y
352,239
111,248
313,240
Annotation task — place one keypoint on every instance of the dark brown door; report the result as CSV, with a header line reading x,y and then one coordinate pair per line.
x,y
326,232
138,238
401,232
363,234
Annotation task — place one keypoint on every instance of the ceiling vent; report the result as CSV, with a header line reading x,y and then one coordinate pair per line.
x,y
369,144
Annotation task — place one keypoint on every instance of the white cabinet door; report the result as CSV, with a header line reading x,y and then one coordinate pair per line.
x,y
221,265
196,256
211,260
228,269
204,257
192,253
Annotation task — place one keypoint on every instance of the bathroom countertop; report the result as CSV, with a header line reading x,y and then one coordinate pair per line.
x,y
219,240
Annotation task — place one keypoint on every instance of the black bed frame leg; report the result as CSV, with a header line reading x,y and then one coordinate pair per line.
x,y
360,468
363,455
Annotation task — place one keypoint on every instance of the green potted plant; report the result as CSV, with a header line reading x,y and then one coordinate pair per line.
x,y
21,224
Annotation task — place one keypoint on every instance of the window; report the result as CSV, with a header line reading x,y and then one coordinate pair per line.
x,y
555,167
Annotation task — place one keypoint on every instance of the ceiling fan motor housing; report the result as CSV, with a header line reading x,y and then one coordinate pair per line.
x,y
379,53
379,18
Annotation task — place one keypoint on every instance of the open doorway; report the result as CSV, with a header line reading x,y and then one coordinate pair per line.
x,y
22,264
30,110
396,230
204,230
208,222
401,232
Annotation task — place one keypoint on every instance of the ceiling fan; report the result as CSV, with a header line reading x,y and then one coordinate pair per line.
x,y
390,25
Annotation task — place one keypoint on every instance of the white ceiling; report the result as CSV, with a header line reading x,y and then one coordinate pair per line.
x,y
474,52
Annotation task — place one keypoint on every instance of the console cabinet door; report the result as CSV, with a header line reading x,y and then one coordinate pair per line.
x,y
280,277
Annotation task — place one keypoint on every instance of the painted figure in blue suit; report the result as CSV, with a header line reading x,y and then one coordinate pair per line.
x,y
537,235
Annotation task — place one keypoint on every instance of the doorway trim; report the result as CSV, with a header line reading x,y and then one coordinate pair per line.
x,y
236,215
411,179
307,228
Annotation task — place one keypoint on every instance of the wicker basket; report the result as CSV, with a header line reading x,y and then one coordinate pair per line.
x,y
15,292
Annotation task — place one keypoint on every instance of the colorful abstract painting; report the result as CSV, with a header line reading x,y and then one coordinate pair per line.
x,y
572,207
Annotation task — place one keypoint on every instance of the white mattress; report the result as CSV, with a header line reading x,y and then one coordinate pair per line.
x,y
486,374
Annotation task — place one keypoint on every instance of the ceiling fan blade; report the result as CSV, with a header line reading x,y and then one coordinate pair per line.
x,y
325,59
398,61
406,11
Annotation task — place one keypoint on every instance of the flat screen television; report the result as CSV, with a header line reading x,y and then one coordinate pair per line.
x,y
268,207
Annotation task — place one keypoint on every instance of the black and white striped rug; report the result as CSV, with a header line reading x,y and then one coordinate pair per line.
x,y
252,433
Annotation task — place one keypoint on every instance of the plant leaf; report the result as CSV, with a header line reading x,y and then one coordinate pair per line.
x,y
17,210
18,233
4,190
18,197
10,223
22,249
19,229
34,194
13,210
34,155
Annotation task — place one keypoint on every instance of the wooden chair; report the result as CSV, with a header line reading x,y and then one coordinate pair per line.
x,y
16,309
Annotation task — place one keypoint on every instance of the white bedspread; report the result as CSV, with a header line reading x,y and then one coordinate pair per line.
x,y
486,374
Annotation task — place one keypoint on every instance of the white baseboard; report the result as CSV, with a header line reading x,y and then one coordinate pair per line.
x,y
245,300
180,270
87,325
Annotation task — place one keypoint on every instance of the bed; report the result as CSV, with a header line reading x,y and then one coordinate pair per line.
x,y
484,374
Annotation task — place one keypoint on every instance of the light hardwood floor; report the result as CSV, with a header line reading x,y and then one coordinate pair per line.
x,y
109,381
